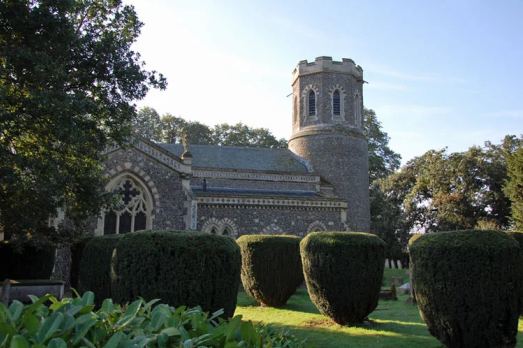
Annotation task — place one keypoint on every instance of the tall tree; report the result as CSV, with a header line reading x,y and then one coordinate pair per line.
x,y
386,214
68,79
440,191
148,124
513,148
243,135
383,161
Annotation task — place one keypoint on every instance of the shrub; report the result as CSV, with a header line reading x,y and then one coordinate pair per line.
x,y
180,268
343,271
72,323
95,265
468,286
271,267
77,250
30,263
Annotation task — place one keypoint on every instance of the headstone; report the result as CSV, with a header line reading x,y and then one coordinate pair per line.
x,y
397,281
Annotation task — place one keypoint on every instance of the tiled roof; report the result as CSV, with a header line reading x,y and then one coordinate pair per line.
x,y
240,158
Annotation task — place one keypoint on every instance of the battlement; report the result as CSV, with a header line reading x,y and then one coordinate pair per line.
x,y
326,64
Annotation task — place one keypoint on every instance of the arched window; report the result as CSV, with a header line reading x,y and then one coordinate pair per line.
x,y
134,213
312,103
214,231
336,104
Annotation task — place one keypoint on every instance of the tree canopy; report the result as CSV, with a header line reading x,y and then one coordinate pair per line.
x,y
170,129
68,79
513,149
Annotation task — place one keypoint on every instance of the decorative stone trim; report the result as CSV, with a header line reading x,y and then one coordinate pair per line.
x,y
271,202
343,97
136,170
316,226
155,152
220,226
255,176
210,224
305,99
273,229
228,223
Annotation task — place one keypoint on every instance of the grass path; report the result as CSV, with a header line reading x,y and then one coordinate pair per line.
x,y
395,325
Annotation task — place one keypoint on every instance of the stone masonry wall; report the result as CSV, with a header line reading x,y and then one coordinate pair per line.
x,y
169,214
275,221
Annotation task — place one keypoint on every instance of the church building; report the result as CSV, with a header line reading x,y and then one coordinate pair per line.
x,y
320,183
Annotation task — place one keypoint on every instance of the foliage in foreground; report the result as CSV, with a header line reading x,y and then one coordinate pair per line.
x,y
468,286
343,271
271,267
73,323
180,268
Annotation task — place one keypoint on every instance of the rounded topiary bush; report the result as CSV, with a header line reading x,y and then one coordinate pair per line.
x,y
31,263
343,272
271,267
95,266
468,286
179,268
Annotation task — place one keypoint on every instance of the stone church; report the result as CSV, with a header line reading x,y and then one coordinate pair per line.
x,y
320,183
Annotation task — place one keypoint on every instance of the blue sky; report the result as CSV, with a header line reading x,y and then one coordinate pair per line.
x,y
440,73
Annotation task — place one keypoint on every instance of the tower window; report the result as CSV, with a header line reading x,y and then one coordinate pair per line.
x,y
312,103
336,107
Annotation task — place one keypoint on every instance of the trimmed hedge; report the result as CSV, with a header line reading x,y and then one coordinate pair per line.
x,y
468,286
271,267
180,268
31,263
95,266
344,271
77,250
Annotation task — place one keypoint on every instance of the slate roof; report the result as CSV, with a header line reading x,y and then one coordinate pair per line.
x,y
240,158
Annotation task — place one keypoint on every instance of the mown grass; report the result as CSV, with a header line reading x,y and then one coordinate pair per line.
x,y
393,324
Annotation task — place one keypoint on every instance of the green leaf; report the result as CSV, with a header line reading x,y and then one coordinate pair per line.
x,y
107,305
57,343
19,341
113,341
234,324
68,322
31,324
86,309
83,324
171,331
88,298
50,326
133,307
6,329
158,320
16,309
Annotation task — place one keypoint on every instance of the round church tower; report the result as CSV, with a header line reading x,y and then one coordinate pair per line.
x,y
327,130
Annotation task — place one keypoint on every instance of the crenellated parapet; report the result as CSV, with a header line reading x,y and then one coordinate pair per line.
x,y
326,64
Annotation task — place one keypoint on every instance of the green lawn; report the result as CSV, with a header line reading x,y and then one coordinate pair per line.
x,y
394,324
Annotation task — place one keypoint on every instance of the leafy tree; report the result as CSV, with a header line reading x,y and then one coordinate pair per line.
x,y
386,214
441,192
383,161
172,129
148,124
68,78
243,135
514,186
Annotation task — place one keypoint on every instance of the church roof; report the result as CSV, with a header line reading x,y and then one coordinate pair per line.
x,y
240,158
